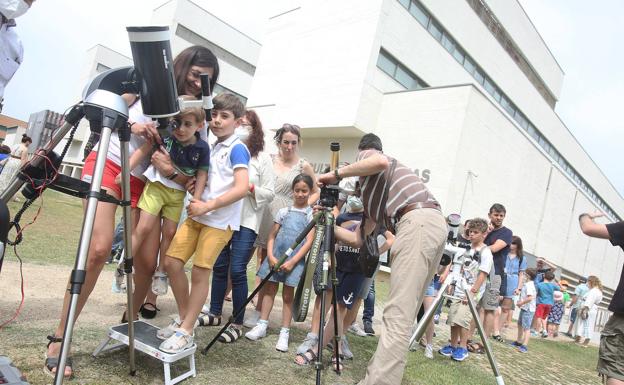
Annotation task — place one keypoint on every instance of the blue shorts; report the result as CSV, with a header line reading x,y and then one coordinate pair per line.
x,y
349,285
431,290
573,313
525,319
289,279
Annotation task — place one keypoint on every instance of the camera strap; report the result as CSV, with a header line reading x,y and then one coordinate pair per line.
x,y
303,294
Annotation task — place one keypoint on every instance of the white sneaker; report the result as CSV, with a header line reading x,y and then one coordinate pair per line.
x,y
259,331
310,341
205,309
170,329
251,319
356,329
429,351
160,283
282,341
177,342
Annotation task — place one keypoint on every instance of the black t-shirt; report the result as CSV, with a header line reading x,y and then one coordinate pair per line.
x,y
347,256
500,256
616,236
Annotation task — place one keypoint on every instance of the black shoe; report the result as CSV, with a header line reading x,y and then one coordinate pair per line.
x,y
368,328
148,313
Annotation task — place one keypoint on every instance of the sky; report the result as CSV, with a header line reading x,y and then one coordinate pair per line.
x,y
584,38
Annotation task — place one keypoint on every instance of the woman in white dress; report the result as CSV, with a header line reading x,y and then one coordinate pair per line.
x,y
19,157
589,310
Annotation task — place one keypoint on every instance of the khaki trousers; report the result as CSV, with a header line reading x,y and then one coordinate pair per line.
x,y
415,256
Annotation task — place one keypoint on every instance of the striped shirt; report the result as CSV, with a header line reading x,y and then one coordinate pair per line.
x,y
405,188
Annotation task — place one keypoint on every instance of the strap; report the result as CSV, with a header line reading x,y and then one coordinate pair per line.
x,y
303,294
54,339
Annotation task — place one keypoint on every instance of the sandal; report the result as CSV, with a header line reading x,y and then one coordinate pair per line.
x,y
209,320
230,335
498,338
177,343
308,358
148,313
51,363
475,347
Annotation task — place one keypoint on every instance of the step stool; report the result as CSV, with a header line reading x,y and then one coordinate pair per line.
x,y
145,341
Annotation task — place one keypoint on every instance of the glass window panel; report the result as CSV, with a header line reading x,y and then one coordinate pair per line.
x,y
469,65
405,3
405,78
478,76
386,64
507,106
448,43
518,117
419,14
497,95
458,54
435,30
489,87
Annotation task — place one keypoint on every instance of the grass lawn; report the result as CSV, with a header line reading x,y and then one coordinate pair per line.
x,y
50,244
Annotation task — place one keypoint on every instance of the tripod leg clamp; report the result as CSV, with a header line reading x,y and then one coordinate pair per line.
x,y
76,279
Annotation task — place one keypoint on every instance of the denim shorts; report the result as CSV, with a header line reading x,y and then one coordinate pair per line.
x,y
431,290
525,319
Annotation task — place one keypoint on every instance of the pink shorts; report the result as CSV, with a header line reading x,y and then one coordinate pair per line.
x,y
111,170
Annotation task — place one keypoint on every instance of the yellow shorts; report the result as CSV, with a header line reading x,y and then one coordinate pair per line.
x,y
160,200
204,241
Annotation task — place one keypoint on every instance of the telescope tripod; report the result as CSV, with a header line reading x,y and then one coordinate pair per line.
x,y
106,111
456,280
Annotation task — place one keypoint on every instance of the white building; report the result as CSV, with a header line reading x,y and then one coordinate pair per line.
x,y
462,91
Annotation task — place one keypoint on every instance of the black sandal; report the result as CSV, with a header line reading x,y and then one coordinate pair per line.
x,y
340,365
230,335
52,362
308,357
209,320
148,313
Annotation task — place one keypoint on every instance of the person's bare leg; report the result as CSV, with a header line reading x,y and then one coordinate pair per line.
x,y
145,254
488,322
99,250
200,285
178,282
260,255
352,313
495,324
526,336
427,302
270,290
288,296
613,381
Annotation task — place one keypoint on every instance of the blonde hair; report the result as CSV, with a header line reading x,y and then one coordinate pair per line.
x,y
594,281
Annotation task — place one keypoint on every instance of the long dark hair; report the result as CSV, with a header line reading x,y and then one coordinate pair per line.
x,y
255,142
195,55
515,240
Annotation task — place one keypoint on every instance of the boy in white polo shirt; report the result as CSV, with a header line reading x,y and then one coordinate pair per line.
x,y
210,224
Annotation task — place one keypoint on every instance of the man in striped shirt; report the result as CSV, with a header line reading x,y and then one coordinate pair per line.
x,y
420,229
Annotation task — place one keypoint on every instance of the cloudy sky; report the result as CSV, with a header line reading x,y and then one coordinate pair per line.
x,y
584,37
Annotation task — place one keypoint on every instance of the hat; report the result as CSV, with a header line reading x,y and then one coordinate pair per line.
x,y
582,280
558,295
563,282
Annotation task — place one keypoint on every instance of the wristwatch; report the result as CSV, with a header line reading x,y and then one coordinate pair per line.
x,y
173,175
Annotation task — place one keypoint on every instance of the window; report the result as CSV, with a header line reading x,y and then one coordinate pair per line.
x,y
435,30
458,54
507,106
398,71
405,3
469,65
478,75
447,42
386,64
489,87
419,14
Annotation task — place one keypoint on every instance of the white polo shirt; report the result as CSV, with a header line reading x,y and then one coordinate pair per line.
x,y
225,157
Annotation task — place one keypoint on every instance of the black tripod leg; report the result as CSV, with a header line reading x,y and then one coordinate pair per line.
x,y
275,268
486,344
332,241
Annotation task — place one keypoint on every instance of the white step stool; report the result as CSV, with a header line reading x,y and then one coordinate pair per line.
x,y
145,340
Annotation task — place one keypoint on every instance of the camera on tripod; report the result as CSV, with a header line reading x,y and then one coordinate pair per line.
x,y
331,193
